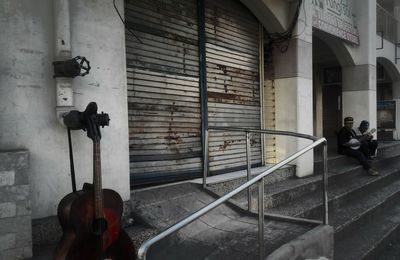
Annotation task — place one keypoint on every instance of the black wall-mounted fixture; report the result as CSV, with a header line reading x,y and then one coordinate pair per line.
x,y
76,120
78,66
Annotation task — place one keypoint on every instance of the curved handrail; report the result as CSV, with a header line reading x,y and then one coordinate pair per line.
x,y
263,131
148,243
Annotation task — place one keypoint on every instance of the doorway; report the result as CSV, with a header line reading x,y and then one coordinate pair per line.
x,y
331,101
327,82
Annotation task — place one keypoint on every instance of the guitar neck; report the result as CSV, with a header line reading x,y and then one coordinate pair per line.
x,y
367,135
98,194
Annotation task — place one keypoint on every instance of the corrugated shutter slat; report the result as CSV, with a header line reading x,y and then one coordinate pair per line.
x,y
163,90
232,82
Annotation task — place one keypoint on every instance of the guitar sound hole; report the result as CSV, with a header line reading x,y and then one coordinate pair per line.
x,y
99,226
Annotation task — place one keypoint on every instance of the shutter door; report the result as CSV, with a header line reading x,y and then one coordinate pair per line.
x,y
163,90
270,122
232,47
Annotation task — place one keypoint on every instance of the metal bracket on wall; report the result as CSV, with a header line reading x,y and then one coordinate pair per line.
x,y
381,34
396,47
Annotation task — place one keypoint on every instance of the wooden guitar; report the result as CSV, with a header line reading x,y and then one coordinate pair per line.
x,y
356,143
91,218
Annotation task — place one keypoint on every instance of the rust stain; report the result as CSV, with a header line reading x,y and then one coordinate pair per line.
x,y
253,142
225,145
139,130
220,96
173,138
222,68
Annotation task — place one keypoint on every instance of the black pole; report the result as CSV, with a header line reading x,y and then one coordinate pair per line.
x,y
71,161
202,73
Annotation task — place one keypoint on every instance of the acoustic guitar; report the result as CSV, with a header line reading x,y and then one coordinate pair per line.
x,y
91,218
356,143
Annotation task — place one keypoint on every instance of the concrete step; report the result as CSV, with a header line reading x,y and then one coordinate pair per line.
x,y
357,209
342,188
285,191
392,250
224,186
225,233
365,228
355,202
334,159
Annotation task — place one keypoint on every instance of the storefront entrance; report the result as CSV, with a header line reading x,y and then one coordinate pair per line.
x,y
327,81
332,109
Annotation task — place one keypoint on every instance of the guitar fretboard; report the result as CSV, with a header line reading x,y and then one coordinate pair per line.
x,y
98,194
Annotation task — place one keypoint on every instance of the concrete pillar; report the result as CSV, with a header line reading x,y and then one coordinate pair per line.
x,y
293,93
359,80
359,93
396,97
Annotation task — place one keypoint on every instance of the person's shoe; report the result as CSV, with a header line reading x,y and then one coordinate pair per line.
x,y
372,172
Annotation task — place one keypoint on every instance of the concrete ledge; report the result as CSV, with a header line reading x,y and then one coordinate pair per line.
x,y
314,244
15,205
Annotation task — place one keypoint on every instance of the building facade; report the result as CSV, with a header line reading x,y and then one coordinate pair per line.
x,y
177,67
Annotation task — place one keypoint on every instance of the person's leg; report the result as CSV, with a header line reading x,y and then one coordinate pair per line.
x,y
360,157
364,148
373,145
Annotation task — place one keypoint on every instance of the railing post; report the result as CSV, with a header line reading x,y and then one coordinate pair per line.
x,y
261,218
325,182
205,159
248,160
142,251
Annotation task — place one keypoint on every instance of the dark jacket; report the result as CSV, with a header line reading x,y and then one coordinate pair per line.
x,y
344,135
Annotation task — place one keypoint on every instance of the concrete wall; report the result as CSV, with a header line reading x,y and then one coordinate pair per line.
x,y
27,95
359,80
294,93
272,14
388,51
386,56
358,65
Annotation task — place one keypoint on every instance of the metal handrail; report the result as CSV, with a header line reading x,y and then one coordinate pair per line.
x,y
248,150
263,131
142,252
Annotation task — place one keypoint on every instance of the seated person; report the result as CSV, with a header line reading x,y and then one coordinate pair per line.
x,y
368,145
350,146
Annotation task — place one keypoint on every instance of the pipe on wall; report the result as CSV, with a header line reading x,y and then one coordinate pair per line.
x,y
64,89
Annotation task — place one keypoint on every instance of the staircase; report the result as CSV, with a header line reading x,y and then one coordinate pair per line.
x,y
363,210
227,232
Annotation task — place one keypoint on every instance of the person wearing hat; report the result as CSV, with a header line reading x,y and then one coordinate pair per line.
x,y
368,145
348,143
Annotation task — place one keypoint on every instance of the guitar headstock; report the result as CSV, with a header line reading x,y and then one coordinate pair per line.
x,y
91,122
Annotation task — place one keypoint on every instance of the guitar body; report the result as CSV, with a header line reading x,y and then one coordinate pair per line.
x,y
91,218
356,143
80,240
63,213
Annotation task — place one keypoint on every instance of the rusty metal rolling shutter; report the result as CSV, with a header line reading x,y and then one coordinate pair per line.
x,y
232,46
163,90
